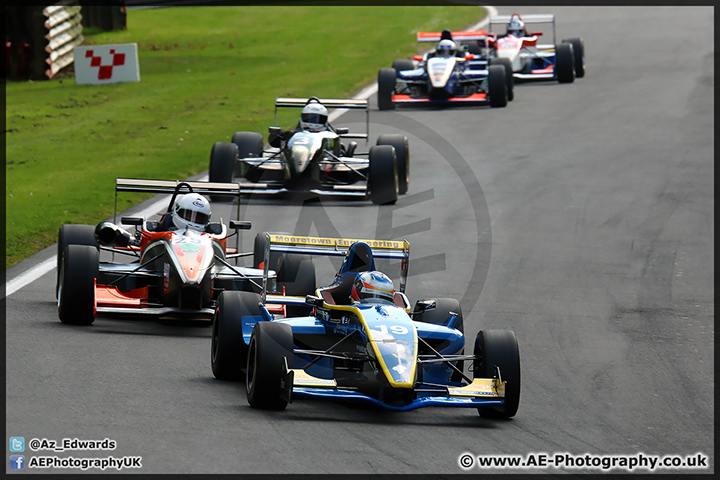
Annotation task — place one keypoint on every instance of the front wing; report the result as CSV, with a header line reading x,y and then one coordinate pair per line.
x,y
482,392
474,99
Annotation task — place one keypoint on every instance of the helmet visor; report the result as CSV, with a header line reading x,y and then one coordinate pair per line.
x,y
193,216
312,117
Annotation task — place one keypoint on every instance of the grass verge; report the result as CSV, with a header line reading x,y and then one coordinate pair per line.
x,y
205,73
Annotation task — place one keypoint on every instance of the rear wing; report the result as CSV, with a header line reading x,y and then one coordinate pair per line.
x,y
169,187
459,36
527,19
530,18
337,247
329,103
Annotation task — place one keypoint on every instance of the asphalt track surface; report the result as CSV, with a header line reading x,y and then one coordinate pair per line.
x,y
580,216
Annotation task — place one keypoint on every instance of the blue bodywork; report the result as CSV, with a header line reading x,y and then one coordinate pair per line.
x,y
373,352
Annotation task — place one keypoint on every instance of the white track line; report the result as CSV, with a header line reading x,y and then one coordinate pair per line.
x,y
29,276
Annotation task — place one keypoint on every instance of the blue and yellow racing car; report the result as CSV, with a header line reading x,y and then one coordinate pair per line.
x,y
359,340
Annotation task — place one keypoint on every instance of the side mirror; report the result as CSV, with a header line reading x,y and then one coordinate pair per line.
x,y
469,56
342,130
536,34
274,136
418,58
313,300
240,225
351,148
131,221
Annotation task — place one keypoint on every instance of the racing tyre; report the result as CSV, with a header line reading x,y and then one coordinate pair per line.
x,y
72,235
297,274
386,88
271,346
474,48
497,86
402,153
223,158
499,347
228,353
564,63
509,79
403,64
383,175
439,316
578,55
76,296
250,144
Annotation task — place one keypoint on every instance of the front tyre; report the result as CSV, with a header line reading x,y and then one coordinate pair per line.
x,y
497,86
269,353
386,88
402,153
72,234
76,295
509,79
564,63
499,348
228,353
382,181
578,46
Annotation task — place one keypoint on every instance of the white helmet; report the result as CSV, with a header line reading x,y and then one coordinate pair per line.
x,y
516,27
191,211
314,117
446,48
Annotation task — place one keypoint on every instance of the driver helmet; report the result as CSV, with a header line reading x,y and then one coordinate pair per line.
x,y
191,211
314,117
516,27
446,48
373,287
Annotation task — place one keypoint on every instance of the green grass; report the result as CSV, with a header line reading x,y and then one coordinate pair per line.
x,y
205,72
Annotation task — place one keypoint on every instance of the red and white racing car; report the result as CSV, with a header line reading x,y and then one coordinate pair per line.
x,y
530,60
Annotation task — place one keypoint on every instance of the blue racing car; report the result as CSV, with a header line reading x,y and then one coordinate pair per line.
x,y
450,73
358,339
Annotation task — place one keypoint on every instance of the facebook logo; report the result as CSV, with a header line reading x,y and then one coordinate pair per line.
x,y
17,444
17,462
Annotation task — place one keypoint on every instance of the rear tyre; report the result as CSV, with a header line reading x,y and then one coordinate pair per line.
x,y
564,63
76,296
386,88
402,153
403,64
271,346
497,86
509,79
474,48
499,347
72,234
578,55
223,158
250,144
439,316
228,353
383,175
297,274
